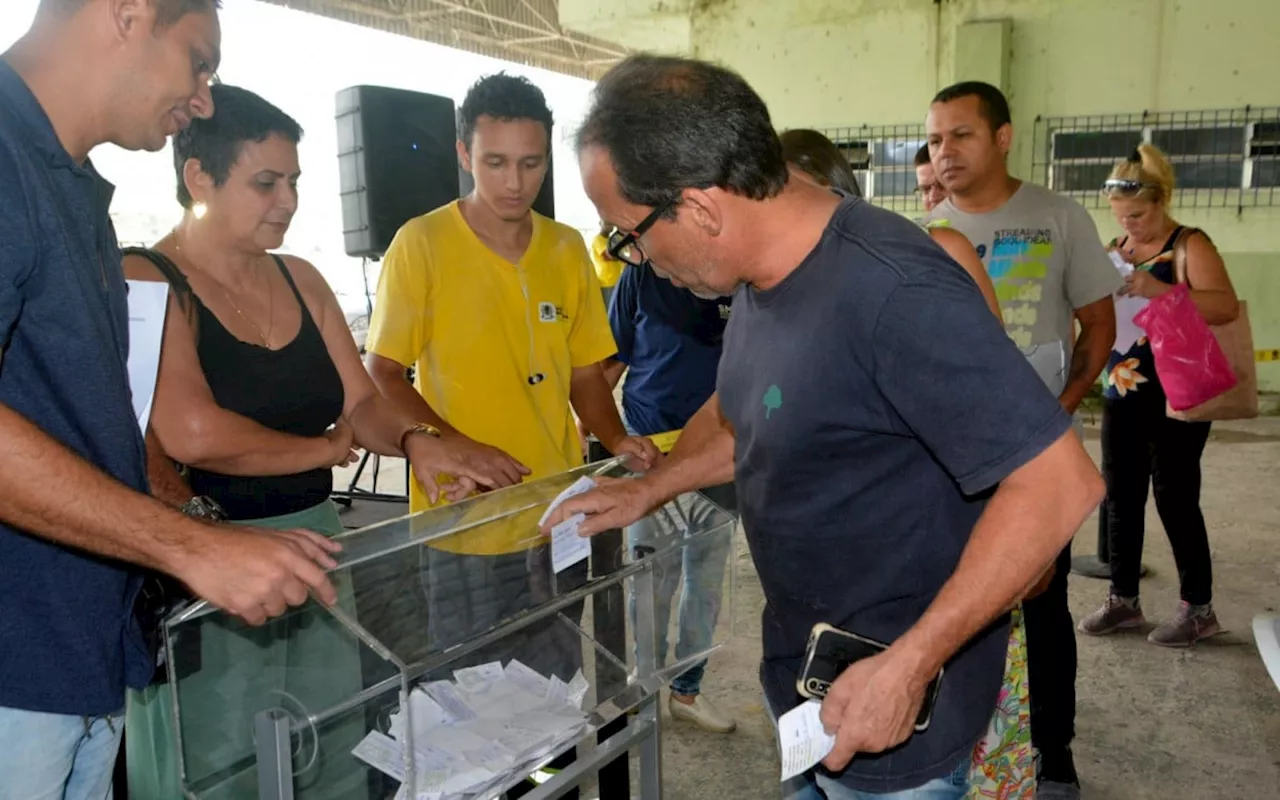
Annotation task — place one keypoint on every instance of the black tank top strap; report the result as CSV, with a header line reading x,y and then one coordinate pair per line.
x,y
307,319
288,276
176,279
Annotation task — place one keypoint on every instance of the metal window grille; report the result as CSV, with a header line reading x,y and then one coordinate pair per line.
x,y
1222,158
883,159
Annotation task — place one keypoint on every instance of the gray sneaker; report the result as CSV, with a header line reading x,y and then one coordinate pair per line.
x,y
1189,625
1118,613
1053,790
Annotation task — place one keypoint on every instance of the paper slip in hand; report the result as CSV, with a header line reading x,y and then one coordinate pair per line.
x,y
1127,307
567,547
580,486
802,739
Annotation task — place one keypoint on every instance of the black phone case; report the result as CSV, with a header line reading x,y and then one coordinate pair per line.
x,y
831,651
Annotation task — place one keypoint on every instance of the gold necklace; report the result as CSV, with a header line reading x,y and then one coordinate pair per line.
x,y
271,301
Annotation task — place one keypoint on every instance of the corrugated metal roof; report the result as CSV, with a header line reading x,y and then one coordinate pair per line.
x,y
523,31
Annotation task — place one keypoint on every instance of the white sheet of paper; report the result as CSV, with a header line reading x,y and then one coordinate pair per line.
x,y
148,302
382,753
803,740
580,486
450,699
557,691
476,679
467,742
505,700
426,713
567,547
578,689
1127,333
526,678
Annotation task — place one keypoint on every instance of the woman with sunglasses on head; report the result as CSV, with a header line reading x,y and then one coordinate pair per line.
x,y
260,392
1141,445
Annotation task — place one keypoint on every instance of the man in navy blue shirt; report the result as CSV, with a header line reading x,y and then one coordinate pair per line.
x,y
73,464
669,342
902,472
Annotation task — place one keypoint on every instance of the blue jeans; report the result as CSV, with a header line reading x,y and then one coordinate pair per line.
x,y
700,578
57,756
816,785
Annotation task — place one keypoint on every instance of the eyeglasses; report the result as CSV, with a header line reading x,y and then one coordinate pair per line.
x,y
626,246
1125,187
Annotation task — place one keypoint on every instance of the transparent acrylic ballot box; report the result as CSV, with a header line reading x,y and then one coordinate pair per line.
x,y
457,660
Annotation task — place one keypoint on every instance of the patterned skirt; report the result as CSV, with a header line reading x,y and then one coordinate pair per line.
x,y
1003,763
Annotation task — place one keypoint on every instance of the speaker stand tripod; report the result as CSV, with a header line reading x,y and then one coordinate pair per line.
x,y
354,492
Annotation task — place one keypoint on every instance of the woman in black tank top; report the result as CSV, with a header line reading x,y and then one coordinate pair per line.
x,y
261,392
1141,446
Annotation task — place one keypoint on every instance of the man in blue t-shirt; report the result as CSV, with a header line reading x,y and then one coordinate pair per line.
x,y
76,524
669,343
902,472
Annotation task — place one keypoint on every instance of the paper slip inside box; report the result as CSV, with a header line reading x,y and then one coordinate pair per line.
x,y
382,753
526,678
803,740
476,679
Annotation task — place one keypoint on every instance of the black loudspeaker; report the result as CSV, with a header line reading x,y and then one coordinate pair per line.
x,y
396,160
544,203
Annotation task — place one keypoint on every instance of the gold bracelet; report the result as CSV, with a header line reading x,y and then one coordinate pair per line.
x,y
418,427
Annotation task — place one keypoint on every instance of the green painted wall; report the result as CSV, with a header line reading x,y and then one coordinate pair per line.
x,y
827,63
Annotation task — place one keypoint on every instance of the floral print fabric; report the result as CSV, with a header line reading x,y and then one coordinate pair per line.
x,y
1003,764
1135,369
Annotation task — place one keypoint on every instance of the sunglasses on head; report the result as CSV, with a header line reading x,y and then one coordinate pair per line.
x,y
1124,187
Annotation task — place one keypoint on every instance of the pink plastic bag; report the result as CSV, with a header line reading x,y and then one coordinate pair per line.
x,y
1192,367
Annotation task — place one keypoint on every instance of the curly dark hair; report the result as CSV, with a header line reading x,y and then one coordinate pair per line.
x,y
671,124
239,116
504,97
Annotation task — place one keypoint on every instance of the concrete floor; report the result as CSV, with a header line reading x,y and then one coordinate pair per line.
x,y
1151,723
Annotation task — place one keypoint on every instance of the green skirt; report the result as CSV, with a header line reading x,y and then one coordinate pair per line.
x,y
309,660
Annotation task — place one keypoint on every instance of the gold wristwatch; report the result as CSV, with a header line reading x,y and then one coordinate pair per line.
x,y
418,427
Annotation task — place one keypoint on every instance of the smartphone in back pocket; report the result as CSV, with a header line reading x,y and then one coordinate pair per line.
x,y
830,653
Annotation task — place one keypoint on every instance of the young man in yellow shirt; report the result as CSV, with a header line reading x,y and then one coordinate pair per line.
x,y
499,310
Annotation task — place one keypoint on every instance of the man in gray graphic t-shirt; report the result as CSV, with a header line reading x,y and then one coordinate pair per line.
x,y
1049,269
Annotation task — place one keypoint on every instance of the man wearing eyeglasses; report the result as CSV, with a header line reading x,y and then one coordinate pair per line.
x,y
901,473
1050,271
930,189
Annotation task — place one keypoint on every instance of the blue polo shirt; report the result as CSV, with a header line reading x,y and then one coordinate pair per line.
x,y
69,642
670,340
